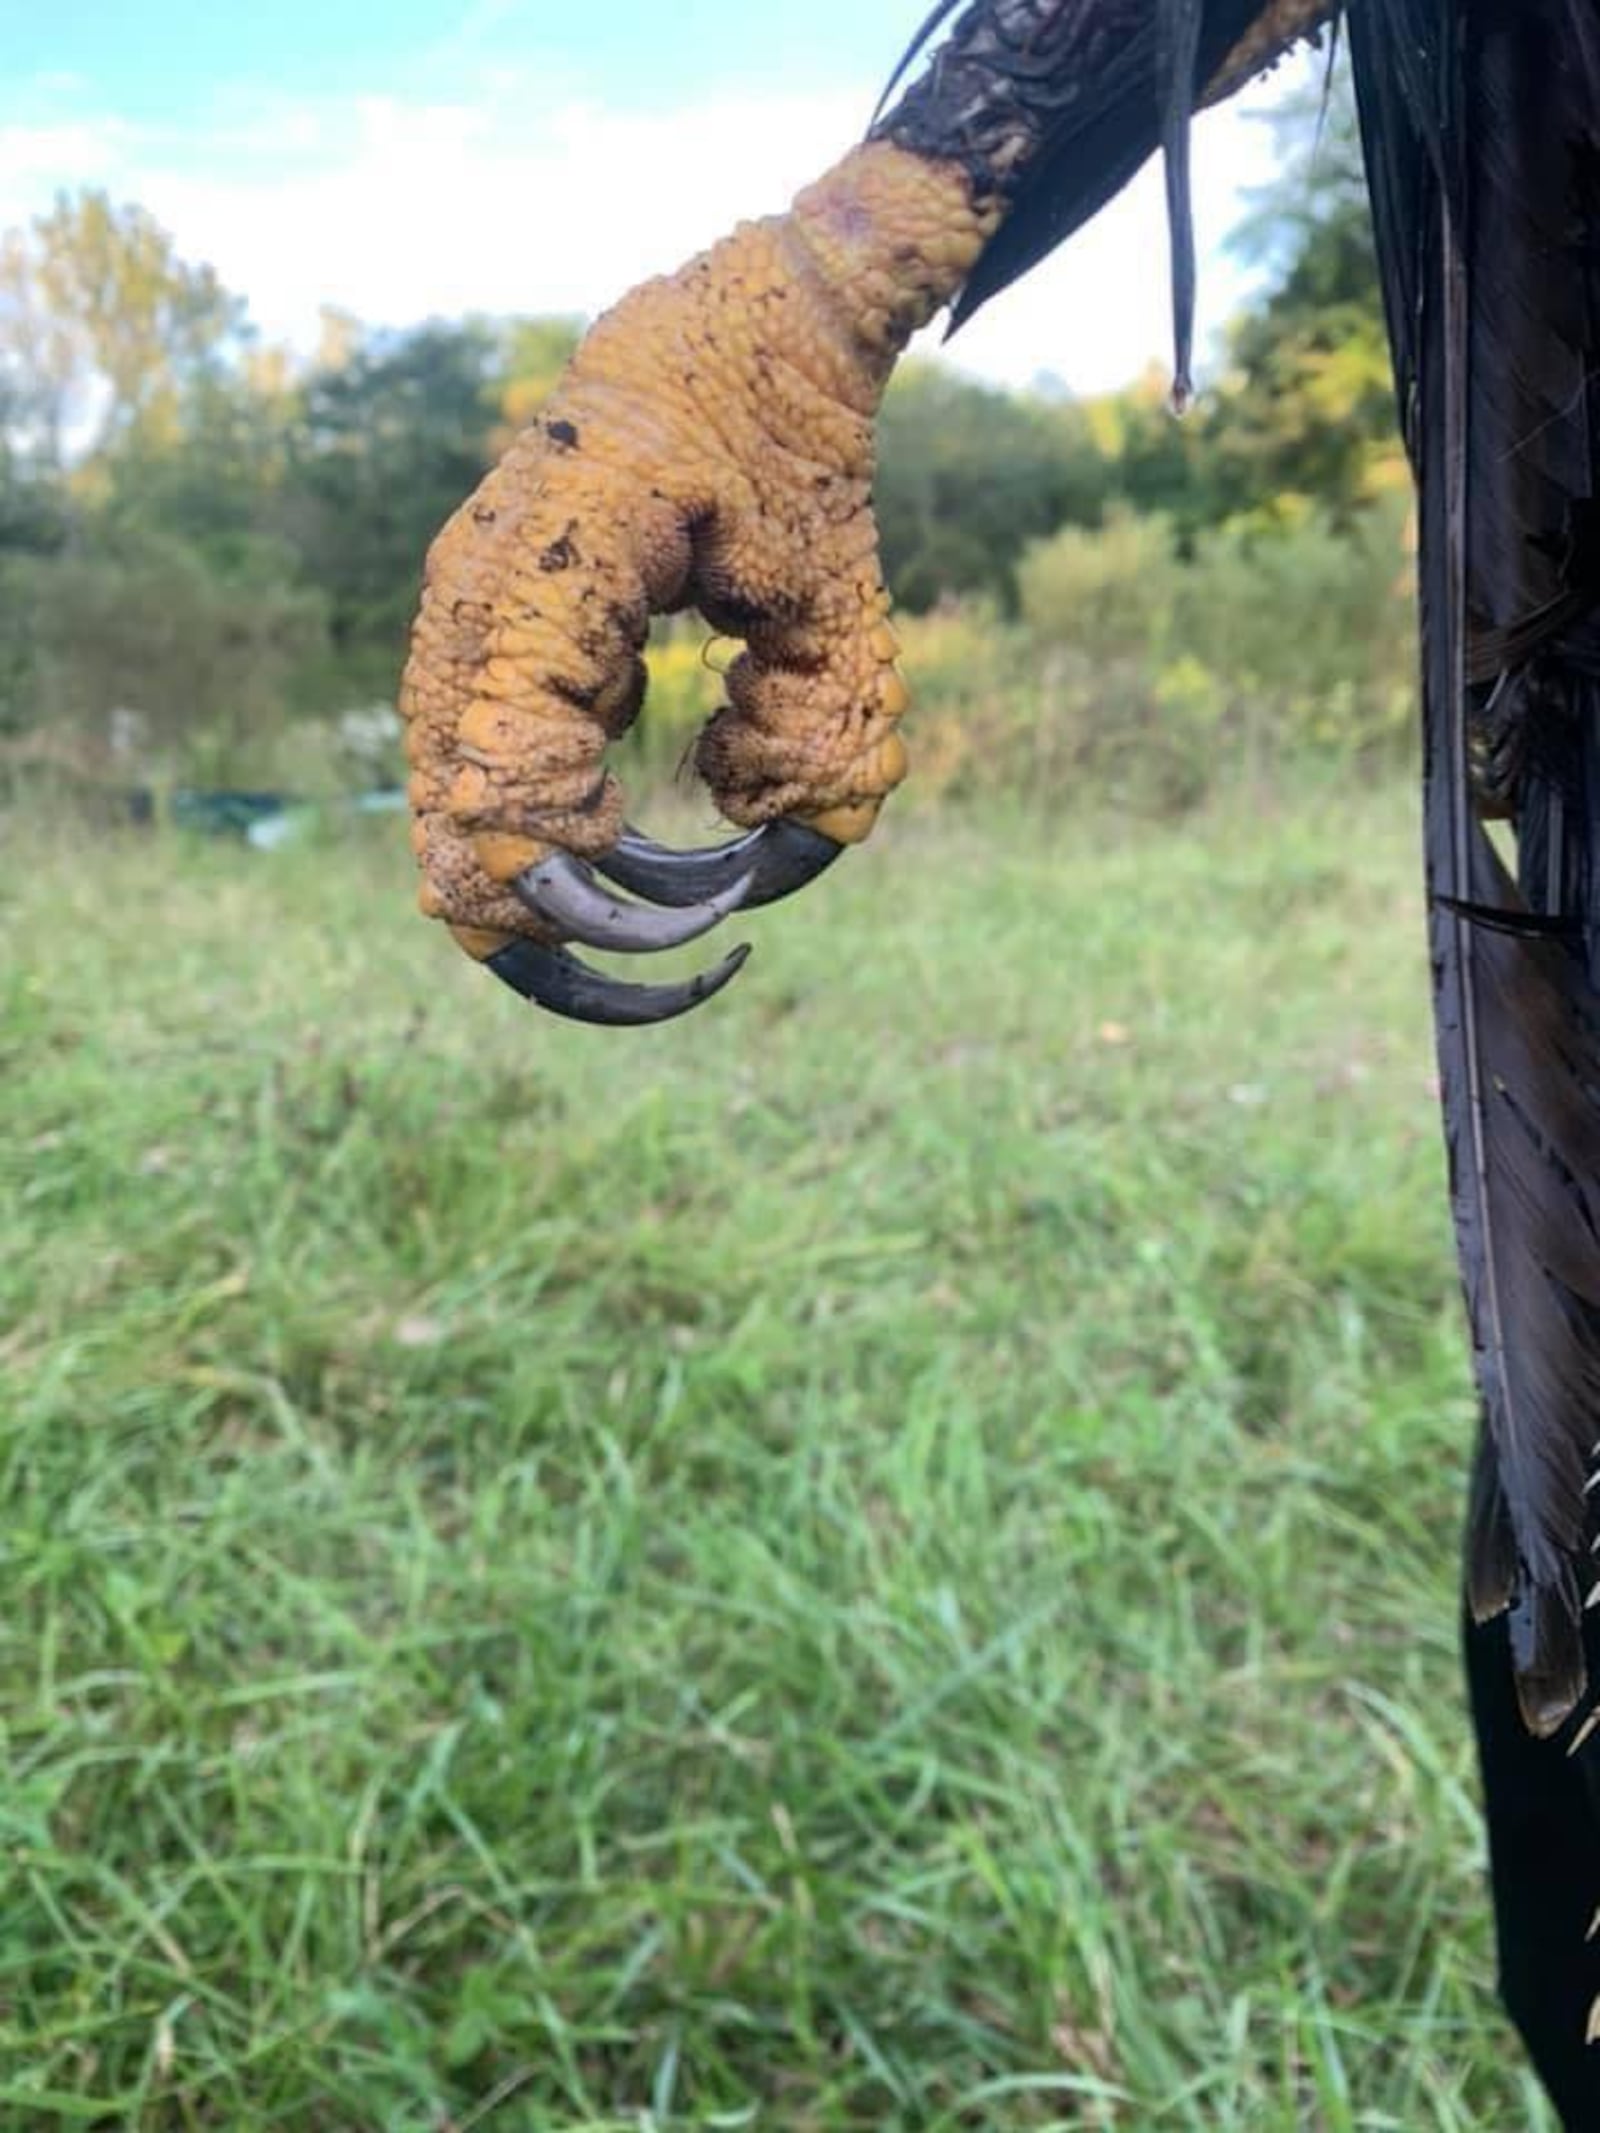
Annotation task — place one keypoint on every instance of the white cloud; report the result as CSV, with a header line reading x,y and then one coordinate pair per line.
x,y
400,209
35,161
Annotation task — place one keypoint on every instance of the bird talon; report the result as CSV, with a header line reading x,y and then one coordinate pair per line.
x,y
773,861
553,979
563,891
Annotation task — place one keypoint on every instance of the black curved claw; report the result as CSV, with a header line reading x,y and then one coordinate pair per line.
x,y
553,979
563,891
779,858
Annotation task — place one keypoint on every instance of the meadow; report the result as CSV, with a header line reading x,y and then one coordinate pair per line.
x,y
880,1558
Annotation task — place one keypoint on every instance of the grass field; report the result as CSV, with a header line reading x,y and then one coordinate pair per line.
x,y
882,1558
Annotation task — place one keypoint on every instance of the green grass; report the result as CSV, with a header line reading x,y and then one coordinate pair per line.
x,y
882,1558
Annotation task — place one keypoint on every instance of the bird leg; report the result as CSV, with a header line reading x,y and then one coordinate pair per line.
x,y
711,445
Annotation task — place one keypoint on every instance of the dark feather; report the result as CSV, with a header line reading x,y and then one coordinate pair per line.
x,y
1180,24
1481,125
1544,1855
934,21
1055,104
1102,126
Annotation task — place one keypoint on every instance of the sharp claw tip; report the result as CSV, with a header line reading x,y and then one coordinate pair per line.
x,y
553,979
770,863
563,891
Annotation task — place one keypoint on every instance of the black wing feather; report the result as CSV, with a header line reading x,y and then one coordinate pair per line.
x,y
1545,1862
1480,123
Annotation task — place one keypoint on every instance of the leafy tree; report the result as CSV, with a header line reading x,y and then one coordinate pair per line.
x,y
1303,410
967,476
103,328
38,361
1307,406
384,448
218,482
32,504
1153,461
148,627
534,352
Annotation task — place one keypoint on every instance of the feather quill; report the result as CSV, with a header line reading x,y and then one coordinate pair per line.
x,y
1180,24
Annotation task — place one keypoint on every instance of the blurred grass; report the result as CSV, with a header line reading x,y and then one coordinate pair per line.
x,y
880,1558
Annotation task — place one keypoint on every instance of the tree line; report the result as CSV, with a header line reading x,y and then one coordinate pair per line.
x,y
212,538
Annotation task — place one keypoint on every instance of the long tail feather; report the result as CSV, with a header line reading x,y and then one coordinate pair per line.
x,y
1479,125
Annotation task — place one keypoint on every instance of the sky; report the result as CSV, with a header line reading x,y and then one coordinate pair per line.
x,y
402,159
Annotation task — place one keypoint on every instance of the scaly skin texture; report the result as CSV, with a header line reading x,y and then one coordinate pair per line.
x,y
711,445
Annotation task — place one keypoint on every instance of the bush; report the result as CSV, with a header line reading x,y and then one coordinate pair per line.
x,y
1109,593
1138,676
968,475
1141,675
149,637
685,665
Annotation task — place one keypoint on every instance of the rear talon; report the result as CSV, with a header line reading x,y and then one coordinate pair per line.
x,y
560,982
774,860
563,892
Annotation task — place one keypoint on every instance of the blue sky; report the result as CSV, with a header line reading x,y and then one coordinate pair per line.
x,y
157,59
406,158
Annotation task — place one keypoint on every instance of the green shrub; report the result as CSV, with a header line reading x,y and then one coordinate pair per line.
x,y
147,634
